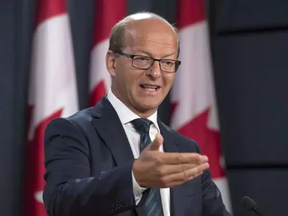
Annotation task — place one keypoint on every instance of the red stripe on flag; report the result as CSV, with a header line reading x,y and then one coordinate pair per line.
x,y
190,12
108,13
49,8
34,167
28,201
98,92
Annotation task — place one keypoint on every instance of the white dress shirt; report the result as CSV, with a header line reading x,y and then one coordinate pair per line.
x,y
126,116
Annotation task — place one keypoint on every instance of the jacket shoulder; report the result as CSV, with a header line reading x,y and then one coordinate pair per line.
x,y
81,117
79,121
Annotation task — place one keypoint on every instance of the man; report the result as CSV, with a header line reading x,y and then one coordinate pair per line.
x,y
118,158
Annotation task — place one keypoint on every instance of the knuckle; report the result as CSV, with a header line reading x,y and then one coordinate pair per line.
x,y
185,167
179,158
163,180
200,170
160,172
158,160
181,167
192,176
184,176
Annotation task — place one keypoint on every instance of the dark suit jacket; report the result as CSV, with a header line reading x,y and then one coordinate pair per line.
x,y
88,169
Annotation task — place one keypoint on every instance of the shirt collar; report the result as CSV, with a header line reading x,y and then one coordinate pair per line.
x,y
124,113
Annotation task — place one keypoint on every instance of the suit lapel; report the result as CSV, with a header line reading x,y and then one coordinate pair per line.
x,y
176,193
109,127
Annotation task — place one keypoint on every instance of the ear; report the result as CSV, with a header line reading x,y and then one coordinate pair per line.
x,y
110,63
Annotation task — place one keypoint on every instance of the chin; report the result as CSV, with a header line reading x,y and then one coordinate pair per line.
x,y
148,106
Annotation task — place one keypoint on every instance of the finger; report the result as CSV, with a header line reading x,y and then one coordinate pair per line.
x,y
191,173
175,183
157,142
184,176
176,179
177,168
172,184
180,158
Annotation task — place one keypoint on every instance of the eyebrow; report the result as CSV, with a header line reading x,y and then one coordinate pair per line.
x,y
150,54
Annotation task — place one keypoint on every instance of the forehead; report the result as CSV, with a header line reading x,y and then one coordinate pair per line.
x,y
152,36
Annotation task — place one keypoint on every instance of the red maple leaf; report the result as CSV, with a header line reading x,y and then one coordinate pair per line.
x,y
208,140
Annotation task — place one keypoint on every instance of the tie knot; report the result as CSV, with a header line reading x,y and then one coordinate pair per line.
x,y
142,125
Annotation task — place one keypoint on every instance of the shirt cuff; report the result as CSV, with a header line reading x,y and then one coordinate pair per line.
x,y
137,190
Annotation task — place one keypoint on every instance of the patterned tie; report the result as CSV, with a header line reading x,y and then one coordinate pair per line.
x,y
153,205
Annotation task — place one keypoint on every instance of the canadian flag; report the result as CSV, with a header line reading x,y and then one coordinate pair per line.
x,y
194,112
52,92
107,14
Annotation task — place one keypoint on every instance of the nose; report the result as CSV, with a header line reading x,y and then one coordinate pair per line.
x,y
154,71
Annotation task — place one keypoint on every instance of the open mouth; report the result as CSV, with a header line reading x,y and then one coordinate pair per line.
x,y
152,88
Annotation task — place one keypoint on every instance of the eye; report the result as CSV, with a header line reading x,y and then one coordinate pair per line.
x,y
142,58
168,62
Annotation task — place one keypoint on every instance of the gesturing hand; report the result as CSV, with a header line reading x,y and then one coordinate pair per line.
x,y
160,170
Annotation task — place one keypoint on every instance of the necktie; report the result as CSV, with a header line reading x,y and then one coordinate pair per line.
x,y
153,204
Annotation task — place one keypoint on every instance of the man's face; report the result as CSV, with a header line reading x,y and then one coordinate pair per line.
x,y
144,90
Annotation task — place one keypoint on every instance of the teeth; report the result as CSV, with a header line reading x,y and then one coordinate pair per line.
x,y
149,87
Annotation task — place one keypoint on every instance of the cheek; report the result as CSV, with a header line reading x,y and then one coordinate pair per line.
x,y
168,81
124,77
131,81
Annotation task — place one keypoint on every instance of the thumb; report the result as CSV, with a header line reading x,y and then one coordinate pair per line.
x,y
157,142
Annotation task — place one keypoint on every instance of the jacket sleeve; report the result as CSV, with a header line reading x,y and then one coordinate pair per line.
x,y
70,189
212,200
